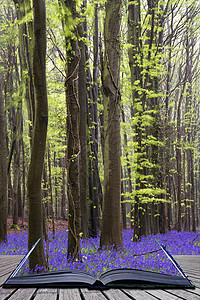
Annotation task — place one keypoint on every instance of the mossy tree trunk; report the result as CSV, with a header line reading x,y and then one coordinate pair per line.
x,y
111,233
39,136
73,137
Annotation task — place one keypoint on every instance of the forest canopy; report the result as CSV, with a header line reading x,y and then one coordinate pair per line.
x,y
118,145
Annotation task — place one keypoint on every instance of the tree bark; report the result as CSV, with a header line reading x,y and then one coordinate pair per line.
x,y
83,142
39,136
50,186
73,137
135,61
3,171
111,233
23,7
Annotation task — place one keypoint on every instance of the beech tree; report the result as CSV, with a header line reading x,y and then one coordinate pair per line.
x,y
3,170
135,62
35,230
73,137
156,43
111,233
82,92
94,183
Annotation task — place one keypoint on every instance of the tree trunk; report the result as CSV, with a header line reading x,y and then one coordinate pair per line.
x,y
3,171
111,233
191,153
178,164
97,190
23,182
73,140
63,189
94,184
134,38
50,186
83,117
39,136
128,167
16,178
23,7
123,204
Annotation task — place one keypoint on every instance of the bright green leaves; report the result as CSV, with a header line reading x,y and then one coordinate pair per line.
x,y
27,18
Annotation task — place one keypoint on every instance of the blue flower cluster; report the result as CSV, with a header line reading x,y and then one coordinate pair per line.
x,y
143,255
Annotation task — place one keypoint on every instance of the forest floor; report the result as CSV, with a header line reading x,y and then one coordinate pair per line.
x,y
59,225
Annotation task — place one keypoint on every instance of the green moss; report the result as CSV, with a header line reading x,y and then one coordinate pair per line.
x,y
15,226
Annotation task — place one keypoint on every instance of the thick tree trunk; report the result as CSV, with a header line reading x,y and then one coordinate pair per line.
x,y
3,171
39,136
111,233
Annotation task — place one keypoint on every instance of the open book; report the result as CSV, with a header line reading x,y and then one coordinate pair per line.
x,y
118,278
126,278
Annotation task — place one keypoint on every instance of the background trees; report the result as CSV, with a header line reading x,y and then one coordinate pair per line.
x,y
155,91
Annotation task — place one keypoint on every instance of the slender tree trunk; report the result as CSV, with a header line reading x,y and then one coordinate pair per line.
x,y
179,152
128,166
3,171
111,233
45,195
23,183
178,164
123,204
63,190
97,191
28,43
83,142
56,185
166,135
16,177
26,53
17,118
50,186
73,137
192,191
39,136
94,184
135,55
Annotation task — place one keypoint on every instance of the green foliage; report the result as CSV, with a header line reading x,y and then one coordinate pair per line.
x,y
148,115
15,226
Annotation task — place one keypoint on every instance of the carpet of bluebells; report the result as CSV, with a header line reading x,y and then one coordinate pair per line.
x,y
97,262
